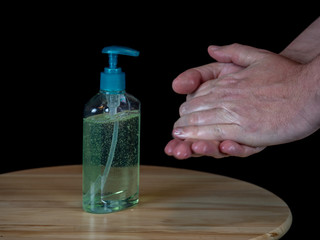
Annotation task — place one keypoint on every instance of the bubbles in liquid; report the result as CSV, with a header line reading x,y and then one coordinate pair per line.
x,y
121,188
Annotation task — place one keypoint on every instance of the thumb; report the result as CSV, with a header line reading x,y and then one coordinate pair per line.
x,y
241,55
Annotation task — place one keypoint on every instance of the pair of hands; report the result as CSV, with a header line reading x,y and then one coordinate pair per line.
x,y
249,99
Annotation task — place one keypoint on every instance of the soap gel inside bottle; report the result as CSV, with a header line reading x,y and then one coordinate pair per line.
x,y
111,161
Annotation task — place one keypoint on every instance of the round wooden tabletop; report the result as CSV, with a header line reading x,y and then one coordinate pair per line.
x,y
45,203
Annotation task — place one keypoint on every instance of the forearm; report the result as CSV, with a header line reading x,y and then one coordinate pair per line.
x,y
306,46
315,65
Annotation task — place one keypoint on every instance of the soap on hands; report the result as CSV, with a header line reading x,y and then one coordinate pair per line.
x,y
121,188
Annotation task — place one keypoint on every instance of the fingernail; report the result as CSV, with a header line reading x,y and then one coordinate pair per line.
x,y
178,132
213,47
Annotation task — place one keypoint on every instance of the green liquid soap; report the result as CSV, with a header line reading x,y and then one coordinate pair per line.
x,y
116,188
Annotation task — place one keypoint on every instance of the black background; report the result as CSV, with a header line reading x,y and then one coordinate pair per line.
x,y
53,61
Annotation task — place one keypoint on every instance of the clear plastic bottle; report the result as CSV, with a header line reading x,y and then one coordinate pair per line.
x,y
111,142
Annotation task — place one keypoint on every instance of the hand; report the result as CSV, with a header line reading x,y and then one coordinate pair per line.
x,y
303,49
188,82
265,103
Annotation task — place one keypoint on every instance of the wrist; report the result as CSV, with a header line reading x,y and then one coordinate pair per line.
x,y
306,46
314,68
312,75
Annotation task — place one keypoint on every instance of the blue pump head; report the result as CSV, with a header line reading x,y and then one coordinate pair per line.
x,y
113,79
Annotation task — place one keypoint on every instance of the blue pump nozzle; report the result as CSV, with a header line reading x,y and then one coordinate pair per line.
x,y
113,79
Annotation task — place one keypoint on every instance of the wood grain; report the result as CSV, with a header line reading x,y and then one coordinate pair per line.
x,y
45,203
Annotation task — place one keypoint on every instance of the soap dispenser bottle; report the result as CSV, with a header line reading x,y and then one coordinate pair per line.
x,y
111,142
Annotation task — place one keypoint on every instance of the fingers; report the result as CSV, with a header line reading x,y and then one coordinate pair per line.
x,y
241,55
218,132
232,148
188,81
207,148
179,149
206,117
185,149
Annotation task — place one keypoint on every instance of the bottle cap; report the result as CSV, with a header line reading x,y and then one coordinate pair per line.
x,y
113,79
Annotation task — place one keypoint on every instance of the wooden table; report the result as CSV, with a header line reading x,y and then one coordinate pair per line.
x,y
45,203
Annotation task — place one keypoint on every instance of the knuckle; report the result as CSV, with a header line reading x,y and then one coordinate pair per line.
x,y
182,109
217,130
192,105
193,119
191,132
230,79
190,96
196,133
206,85
235,45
